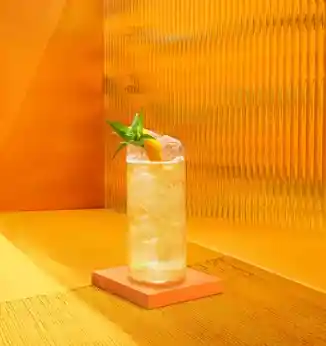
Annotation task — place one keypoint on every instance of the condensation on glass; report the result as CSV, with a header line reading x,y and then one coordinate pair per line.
x,y
242,84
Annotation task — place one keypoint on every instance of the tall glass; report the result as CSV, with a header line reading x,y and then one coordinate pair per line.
x,y
157,220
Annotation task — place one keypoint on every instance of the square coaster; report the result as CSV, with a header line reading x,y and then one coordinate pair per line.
x,y
196,285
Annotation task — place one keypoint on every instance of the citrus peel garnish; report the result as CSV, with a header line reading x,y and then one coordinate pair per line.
x,y
153,148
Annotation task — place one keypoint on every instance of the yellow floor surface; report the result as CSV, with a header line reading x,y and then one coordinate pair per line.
x,y
50,252
257,308
298,255
46,297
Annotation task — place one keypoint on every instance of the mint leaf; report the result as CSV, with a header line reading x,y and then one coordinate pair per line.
x,y
133,134
140,123
137,126
147,136
120,147
134,124
137,143
122,130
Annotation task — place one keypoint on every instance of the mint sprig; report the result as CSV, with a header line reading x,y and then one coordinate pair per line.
x,y
133,134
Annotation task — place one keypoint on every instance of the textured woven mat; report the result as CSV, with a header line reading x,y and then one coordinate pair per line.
x,y
256,309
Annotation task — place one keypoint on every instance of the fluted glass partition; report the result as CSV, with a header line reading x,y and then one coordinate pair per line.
x,y
241,83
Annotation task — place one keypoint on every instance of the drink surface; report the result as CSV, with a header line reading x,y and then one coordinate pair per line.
x,y
157,220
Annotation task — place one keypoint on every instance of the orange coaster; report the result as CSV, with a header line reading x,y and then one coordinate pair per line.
x,y
196,285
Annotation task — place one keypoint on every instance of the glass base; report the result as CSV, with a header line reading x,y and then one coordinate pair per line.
x,y
157,274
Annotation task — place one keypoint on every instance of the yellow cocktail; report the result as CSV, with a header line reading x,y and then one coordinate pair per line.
x,y
157,220
156,204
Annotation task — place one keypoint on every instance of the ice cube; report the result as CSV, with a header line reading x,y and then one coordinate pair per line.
x,y
171,149
135,153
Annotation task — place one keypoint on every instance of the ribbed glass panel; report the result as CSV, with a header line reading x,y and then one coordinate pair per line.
x,y
242,84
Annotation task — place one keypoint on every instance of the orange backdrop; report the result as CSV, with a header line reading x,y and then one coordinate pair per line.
x,y
51,133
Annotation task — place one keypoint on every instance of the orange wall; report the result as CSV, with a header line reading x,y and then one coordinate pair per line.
x,y
51,108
